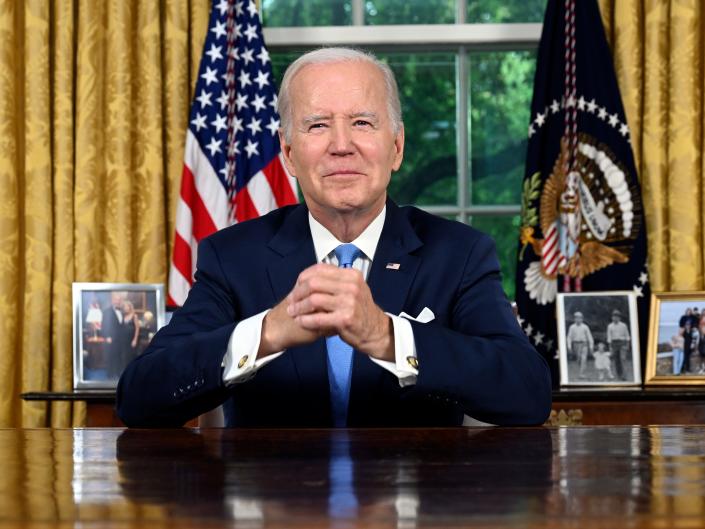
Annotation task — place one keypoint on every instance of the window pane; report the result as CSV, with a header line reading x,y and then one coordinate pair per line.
x,y
427,92
409,11
501,85
280,61
504,230
493,11
285,13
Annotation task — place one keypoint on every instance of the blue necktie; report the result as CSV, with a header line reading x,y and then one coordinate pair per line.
x,y
339,353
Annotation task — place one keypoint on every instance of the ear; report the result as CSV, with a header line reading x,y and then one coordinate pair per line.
x,y
286,154
398,148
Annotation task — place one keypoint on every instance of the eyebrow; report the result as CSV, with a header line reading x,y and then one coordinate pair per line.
x,y
313,118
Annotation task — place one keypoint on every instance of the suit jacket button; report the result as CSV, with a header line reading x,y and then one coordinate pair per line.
x,y
412,361
242,361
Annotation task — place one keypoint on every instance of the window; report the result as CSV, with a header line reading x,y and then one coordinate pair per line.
x,y
465,70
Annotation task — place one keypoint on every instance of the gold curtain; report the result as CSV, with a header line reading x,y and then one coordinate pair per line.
x,y
94,102
659,55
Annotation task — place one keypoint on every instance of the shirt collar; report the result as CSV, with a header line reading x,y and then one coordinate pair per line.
x,y
325,242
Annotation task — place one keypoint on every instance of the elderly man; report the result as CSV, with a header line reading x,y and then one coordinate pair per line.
x,y
346,310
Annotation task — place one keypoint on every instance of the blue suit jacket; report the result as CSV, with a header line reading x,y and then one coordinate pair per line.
x,y
473,357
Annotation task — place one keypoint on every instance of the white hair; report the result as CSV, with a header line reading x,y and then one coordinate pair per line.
x,y
337,55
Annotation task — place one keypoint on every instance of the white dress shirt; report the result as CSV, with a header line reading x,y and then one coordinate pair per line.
x,y
241,363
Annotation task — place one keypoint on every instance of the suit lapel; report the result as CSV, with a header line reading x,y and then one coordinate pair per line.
x,y
388,282
295,252
390,287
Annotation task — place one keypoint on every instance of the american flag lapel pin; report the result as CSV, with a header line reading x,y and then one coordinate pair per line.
x,y
393,266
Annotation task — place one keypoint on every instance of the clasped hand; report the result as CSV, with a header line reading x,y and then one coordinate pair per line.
x,y
325,301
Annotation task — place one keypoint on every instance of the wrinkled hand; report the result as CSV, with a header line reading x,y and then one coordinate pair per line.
x,y
280,331
329,300
326,301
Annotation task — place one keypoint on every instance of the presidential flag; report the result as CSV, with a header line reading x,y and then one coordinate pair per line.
x,y
232,167
582,221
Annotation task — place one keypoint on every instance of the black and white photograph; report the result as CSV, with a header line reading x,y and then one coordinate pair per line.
x,y
676,352
598,339
113,323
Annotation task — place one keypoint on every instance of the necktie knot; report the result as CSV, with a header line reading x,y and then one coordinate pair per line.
x,y
346,254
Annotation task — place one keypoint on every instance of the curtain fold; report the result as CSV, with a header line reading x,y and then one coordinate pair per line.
x,y
94,105
659,55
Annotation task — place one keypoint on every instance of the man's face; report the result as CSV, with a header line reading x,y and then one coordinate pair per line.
x,y
342,148
116,299
578,319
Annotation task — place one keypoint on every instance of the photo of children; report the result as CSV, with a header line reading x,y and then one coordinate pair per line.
x,y
598,339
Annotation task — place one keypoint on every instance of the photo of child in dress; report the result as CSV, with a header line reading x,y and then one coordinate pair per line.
x,y
603,362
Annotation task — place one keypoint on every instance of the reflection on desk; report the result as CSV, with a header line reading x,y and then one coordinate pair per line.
x,y
529,477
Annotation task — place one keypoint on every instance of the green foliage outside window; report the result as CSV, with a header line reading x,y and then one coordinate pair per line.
x,y
296,13
499,98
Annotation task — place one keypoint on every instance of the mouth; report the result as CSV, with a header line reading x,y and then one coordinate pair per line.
x,y
342,172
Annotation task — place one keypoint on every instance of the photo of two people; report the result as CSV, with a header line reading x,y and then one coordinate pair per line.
x,y
114,323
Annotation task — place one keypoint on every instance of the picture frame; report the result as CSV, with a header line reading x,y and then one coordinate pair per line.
x,y
598,339
666,362
112,324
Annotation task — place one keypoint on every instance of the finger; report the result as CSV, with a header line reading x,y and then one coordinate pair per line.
x,y
329,271
319,269
323,284
336,322
315,302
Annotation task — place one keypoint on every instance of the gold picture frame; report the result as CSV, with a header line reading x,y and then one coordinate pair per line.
x,y
676,357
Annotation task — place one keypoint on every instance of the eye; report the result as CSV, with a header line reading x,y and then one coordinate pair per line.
x,y
362,123
316,126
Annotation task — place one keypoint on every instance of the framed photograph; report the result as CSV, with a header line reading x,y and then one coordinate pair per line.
x,y
113,323
598,339
676,349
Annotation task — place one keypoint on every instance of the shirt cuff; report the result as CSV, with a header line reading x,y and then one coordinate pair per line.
x,y
405,366
240,362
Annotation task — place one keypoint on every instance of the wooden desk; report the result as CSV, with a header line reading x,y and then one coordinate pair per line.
x,y
571,407
498,477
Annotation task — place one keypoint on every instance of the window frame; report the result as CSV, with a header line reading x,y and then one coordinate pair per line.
x,y
459,38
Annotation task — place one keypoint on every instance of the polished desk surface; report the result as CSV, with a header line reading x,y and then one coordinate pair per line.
x,y
496,477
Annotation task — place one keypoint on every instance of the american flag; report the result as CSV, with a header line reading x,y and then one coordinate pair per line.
x,y
232,167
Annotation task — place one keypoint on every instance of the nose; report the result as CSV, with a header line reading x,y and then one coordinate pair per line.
x,y
341,142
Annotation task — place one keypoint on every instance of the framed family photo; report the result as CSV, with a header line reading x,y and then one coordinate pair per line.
x,y
676,348
598,339
113,323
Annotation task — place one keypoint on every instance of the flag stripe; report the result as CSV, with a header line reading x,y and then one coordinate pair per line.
x,y
261,193
182,257
202,224
244,207
210,189
178,287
